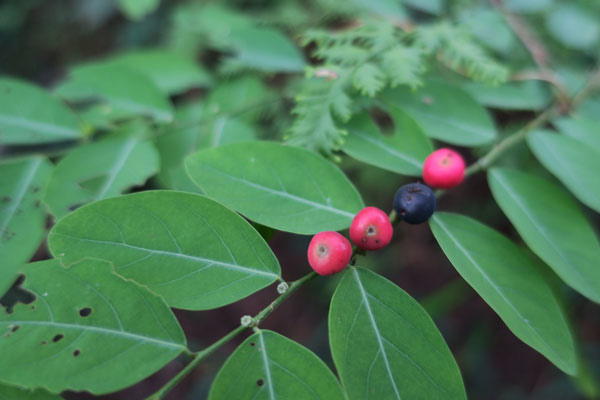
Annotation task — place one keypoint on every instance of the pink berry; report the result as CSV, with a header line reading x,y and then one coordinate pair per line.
x,y
444,169
329,253
371,229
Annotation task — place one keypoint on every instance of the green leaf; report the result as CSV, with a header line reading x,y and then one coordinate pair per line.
x,y
283,187
402,152
22,217
243,96
137,9
171,71
385,8
191,131
527,95
30,115
582,128
121,88
574,163
88,329
489,28
368,79
266,49
509,282
573,26
99,170
12,393
268,365
445,112
214,256
527,6
557,232
384,344
435,7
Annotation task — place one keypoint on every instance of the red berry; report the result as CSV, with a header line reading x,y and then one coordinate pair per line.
x,y
444,169
371,229
329,253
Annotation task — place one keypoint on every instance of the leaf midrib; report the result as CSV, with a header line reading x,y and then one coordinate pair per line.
x,y
376,330
241,268
393,152
544,234
496,288
25,180
101,330
44,127
282,194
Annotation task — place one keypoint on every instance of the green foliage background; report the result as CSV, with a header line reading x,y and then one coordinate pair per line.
x,y
102,98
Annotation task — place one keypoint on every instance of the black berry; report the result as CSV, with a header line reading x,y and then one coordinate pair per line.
x,y
414,203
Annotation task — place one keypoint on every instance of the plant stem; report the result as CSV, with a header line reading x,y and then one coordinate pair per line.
x,y
293,287
198,357
508,142
203,354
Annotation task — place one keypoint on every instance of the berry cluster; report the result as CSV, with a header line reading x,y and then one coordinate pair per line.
x,y
330,252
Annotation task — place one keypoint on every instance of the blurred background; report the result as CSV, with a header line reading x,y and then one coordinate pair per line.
x,y
40,40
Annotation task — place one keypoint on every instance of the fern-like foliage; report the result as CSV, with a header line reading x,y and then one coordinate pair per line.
x,y
365,59
457,51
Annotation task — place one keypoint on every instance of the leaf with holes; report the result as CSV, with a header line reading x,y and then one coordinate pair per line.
x,y
124,91
16,393
573,162
30,115
268,365
283,187
445,112
384,344
22,216
185,247
105,335
558,232
402,152
99,170
509,282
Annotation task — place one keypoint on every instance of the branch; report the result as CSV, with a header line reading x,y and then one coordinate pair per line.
x,y
201,355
